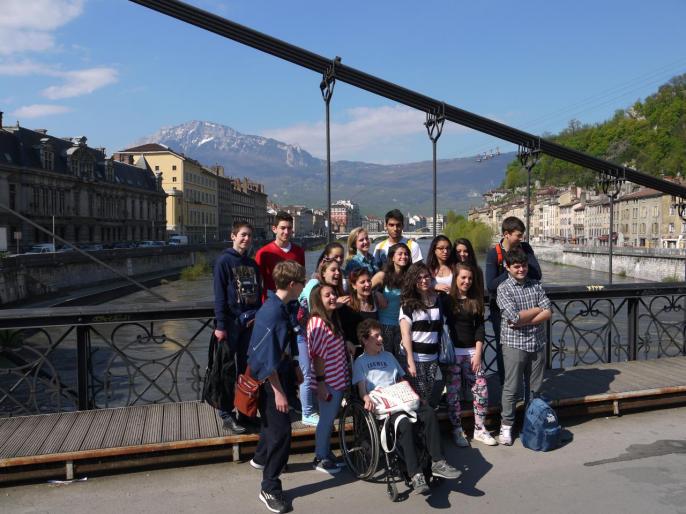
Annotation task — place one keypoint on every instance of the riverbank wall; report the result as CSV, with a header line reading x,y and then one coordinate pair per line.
x,y
40,276
637,263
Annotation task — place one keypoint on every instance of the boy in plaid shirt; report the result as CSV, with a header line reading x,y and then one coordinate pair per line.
x,y
524,307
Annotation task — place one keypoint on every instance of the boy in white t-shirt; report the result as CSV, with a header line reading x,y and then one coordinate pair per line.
x,y
379,368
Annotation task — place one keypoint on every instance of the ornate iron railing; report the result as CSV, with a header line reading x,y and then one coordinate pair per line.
x,y
65,359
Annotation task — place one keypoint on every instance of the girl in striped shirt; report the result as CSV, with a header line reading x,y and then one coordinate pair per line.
x,y
330,363
421,324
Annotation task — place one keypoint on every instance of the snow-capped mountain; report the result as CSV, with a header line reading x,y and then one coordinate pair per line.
x,y
212,143
292,176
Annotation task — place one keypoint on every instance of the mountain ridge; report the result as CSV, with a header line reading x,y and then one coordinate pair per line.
x,y
291,175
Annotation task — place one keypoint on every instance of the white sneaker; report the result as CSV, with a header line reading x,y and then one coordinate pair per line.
x,y
459,439
256,465
505,437
483,436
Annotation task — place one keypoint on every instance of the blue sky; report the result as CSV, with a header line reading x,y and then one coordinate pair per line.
x,y
115,71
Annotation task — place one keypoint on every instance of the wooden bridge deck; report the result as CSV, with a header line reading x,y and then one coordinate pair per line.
x,y
54,444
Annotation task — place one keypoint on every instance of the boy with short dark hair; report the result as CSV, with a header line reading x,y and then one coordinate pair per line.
x,y
513,231
379,368
395,222
237,296
524,308
278,250
271,357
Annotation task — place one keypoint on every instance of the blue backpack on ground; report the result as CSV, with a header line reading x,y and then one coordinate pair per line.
x,y
541,430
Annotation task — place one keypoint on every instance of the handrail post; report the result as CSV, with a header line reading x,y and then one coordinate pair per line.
x,y
549,344
82,358
632,313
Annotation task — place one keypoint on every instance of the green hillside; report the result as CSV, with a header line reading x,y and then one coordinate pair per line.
x,y
650,137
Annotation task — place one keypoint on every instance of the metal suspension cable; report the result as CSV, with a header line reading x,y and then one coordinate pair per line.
x,y
362,80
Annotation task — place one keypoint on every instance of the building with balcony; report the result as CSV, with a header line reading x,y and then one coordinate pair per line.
x,y
88,198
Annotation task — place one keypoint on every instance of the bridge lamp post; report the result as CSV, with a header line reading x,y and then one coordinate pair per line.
x,y
611,186
528,157
326,86
434,128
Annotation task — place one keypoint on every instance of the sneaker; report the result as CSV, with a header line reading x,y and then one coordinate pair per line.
x,y
442,469
338,461
259,466
275,501
325,466
232,426
419,484
312,420
483,436
505,437
459,439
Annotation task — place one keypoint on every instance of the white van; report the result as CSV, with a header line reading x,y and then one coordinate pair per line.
x,y
42,248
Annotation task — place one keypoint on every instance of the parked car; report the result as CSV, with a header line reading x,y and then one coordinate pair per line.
x,y
123,246
42,248
178,240
95,247
150,244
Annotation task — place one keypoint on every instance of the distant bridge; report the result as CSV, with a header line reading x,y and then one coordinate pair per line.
x,y
374,236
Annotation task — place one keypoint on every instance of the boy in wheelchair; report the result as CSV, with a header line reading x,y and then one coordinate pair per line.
x,y
379,368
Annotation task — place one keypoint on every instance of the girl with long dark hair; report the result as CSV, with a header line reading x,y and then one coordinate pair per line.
x,y
362,306
421,314
440,261
464,252
468,334
390,282
330,365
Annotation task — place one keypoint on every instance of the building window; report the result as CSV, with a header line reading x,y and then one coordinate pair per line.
x,y
173,179
173,167
157,168
13,196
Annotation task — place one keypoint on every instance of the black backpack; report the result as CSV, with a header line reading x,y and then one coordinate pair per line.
x,y
220,375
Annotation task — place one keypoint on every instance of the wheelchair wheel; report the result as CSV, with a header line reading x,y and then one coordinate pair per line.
x,y
361,446
392,491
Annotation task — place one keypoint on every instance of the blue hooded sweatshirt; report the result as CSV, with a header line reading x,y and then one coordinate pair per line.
x,y
237,290
271,338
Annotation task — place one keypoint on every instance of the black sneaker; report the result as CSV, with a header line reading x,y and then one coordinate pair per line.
x,y
325,466
232,426
275,501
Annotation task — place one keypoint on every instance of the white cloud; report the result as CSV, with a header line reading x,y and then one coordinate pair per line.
x,y
39,110
81,82
365,128
76,83
43,15
27,26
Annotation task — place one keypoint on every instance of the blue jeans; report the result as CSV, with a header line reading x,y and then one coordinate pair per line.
x,y
328,412
308,399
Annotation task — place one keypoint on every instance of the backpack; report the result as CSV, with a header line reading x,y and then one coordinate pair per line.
x,y
499,253
541,430
220,375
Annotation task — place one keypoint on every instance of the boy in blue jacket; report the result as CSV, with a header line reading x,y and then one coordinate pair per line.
x,y
513,231
272,357
237,296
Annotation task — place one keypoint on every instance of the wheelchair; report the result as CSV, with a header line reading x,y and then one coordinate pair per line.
x,y
362,450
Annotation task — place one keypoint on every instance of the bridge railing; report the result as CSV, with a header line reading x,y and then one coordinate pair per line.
x,y
65,359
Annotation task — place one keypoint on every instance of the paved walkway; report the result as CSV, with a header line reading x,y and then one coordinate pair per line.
x,y
632,464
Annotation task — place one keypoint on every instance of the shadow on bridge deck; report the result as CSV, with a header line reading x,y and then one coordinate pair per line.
x,y
65,444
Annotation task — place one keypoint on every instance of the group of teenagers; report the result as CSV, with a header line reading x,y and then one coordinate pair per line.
x,y
385,310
